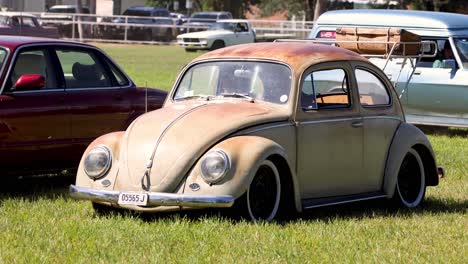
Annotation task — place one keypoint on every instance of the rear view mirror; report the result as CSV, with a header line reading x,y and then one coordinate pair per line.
x,y
30,82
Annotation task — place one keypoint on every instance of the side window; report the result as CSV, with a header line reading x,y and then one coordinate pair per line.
x,y
82,69
325,89
223,16
28,22
443,54
117,74
34,61
372,91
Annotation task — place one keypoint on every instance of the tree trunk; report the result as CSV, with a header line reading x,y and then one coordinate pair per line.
x,y
320,6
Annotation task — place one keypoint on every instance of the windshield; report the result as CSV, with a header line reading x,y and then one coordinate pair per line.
x,y
3,53
203,18
263,81
462,48
222,26
137,13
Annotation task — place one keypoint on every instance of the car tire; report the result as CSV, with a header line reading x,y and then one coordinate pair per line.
x,y
261,201
410,188
218,44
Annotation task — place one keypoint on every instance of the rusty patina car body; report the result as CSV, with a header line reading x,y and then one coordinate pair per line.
x,y
300,137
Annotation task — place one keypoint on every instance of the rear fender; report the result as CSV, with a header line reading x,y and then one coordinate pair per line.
x,y
406,137
245,153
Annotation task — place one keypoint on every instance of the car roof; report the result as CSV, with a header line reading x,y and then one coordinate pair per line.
x,y
211,13
297,54
233,20
10,14
13,42
146,8
394,18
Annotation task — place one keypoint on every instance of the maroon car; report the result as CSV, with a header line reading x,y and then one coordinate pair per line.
x,y
56,97
24,24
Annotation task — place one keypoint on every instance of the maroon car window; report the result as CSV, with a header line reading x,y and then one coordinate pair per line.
x,y
82,69
28,22
32,62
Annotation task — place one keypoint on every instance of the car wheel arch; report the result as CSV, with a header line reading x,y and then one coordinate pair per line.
x,y
408,137
246,152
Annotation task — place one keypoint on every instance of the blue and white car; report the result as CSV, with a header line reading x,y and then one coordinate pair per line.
x,y
434,91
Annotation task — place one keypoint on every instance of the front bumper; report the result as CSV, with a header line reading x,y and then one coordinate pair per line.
x,y
193,45
155,198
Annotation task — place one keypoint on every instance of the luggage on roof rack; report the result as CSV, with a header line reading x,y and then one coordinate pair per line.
x,y
378,41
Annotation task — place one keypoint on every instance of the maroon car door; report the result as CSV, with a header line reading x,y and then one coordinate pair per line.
x,y
34,121
97,92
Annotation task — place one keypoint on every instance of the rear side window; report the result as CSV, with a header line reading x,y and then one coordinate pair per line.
x,y
325,89
372,91
82,69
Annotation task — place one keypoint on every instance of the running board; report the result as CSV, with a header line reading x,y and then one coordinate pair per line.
x,y
319,202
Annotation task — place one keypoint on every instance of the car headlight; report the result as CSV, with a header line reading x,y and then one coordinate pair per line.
x,y
214,166
203,41
97,162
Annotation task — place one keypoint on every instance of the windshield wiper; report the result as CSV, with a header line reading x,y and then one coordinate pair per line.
x,y
238,95
193,97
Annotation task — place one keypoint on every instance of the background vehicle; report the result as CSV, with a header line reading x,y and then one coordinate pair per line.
x,y
219,35
24,24
143,16
202,20
179,19
435,91
61,16
58,96
268,131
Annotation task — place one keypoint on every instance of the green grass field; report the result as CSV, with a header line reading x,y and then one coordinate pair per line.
x,y
39,223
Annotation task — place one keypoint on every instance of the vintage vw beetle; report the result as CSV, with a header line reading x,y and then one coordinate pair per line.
x,y
269,127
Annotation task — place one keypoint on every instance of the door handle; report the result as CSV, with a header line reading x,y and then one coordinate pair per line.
x,y
417,73
356,124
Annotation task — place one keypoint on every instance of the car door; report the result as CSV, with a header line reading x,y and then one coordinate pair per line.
x,y
243,33
329,133
30,27
97,92
437,90
34,122
380,123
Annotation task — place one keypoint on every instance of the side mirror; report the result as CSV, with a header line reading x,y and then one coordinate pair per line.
x,y
30,82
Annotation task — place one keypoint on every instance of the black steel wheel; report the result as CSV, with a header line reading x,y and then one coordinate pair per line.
x,y
411,182
264,193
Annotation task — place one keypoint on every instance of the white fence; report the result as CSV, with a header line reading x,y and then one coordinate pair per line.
x,y
156,30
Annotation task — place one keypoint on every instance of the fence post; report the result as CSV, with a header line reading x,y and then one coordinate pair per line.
x,y
73,27
125,31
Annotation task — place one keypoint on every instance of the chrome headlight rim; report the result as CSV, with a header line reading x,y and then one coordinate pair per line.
x,y
227,166
105,169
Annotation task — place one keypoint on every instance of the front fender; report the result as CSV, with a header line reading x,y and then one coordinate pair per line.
x,y
112,141
406,137
245,153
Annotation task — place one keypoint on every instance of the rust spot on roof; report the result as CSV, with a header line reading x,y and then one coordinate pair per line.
x,y
296,54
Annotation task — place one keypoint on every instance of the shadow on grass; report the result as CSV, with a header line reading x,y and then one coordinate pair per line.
x,y
34,188
444,131
358,210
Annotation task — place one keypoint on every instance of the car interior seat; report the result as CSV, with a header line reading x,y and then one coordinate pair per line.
x,y
87,76
28,63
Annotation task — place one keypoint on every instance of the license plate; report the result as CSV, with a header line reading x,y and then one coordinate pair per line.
x,y
133,198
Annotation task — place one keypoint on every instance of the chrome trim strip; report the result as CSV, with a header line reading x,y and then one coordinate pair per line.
x,y
260,128
66,44
347,201
330,120
381,117
154,198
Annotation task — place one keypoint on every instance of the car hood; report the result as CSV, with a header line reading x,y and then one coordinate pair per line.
x,y
179,134
206,34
